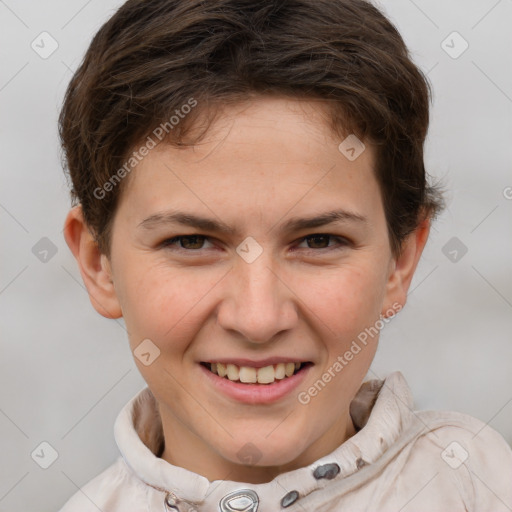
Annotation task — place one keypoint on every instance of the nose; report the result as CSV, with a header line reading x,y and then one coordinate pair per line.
x,y
258,303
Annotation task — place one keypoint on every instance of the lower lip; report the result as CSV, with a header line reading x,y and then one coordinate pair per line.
x,y
256,393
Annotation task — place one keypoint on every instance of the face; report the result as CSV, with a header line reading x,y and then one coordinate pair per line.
x,y
262,245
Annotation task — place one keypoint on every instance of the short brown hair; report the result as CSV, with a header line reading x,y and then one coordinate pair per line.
x,y
153,56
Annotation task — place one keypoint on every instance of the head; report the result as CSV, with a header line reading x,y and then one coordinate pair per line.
x,y
282,143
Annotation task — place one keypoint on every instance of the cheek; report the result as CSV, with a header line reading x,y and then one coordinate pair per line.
x,y
346,300
161,304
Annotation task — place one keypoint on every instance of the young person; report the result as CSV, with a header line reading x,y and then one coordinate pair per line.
x,y
250,196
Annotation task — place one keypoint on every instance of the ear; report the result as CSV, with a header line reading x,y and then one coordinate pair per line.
x,y
94,267
404,266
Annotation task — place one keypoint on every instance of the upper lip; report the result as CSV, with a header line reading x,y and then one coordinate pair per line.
x,y
255,364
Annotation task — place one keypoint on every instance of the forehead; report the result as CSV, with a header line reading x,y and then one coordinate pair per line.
x,y
266,157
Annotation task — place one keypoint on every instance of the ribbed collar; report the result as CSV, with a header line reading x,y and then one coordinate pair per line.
x,y
381,411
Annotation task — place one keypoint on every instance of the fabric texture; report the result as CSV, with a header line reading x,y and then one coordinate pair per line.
x,y
400,460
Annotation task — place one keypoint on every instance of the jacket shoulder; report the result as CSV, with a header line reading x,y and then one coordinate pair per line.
x,y
466,454
106,491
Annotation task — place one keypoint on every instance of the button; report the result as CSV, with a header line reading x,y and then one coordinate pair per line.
x,y
328,471
289,499
171,502
360,463
244,500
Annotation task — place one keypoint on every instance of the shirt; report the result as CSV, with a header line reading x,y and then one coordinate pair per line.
x,y
399,460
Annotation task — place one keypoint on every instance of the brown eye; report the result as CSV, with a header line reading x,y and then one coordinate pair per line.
x,y
323,241
192,242
187,242
318,241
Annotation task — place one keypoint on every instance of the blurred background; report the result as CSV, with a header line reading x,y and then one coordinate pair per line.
x,y
65,371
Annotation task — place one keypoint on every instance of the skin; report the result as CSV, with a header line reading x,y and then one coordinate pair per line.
x,y
260,164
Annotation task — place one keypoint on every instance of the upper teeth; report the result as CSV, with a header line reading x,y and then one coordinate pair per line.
x,y
250,375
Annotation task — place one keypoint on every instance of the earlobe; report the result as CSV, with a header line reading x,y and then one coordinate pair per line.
x,y
404,267
94,266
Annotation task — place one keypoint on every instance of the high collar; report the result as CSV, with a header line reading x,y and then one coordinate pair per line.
x,y
381,411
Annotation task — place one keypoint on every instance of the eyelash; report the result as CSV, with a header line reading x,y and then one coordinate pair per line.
x,y
342,242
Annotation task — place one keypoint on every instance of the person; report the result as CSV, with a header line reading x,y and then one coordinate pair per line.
x,y
250,195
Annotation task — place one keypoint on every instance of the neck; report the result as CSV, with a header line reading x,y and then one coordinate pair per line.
x,y
183,448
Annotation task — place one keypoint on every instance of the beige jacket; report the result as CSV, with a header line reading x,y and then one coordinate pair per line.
x,y
400,460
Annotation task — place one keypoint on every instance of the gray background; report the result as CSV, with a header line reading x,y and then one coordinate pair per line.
x,y
65,371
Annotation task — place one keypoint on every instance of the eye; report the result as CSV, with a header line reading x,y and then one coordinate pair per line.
x,y
186,242
321,241
315,242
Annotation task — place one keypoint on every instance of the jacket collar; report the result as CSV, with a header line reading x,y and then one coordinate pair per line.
x,y
381,411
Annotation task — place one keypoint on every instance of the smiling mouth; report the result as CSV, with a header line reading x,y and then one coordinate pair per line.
x,y
249,375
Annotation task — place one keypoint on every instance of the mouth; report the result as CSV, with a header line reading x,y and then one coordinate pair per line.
x,y
250,375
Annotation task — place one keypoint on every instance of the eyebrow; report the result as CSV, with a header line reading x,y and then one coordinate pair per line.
x,y
208,224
